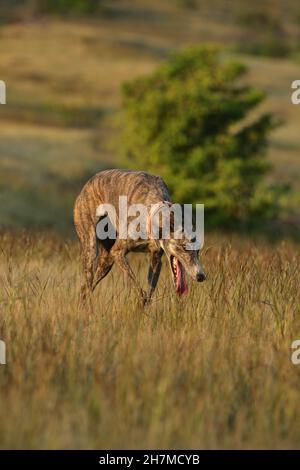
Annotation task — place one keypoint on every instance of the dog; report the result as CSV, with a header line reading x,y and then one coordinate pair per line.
x,y
99,255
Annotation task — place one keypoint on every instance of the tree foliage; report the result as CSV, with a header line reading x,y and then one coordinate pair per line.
x,y
69,6
20,9
190,121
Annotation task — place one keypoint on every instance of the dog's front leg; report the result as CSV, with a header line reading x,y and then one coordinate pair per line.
x,y
104,264
154,271
121,260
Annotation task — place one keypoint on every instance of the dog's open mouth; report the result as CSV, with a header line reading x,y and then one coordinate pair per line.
x,y
179,276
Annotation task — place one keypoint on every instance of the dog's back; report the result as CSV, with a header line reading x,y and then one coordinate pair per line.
x,y
105,188
138,186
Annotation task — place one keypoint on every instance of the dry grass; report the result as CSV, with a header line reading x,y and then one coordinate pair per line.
x,y
211,371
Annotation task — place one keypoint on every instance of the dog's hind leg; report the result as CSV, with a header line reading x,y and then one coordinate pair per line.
x,y
104,264
88,253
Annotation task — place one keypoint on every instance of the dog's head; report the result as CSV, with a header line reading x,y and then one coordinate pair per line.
x,y
182,251
182,259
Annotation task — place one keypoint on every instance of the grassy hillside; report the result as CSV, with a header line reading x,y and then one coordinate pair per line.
x,y
63,88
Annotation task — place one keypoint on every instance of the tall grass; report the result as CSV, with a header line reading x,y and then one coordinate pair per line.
x,y
209,371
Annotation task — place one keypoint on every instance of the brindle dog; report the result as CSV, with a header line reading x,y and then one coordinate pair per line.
x,y
99,256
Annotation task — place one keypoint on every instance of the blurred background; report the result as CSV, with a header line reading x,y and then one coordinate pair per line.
x,y
64,63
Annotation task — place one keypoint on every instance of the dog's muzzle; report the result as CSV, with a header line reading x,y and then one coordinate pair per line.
x,y
200,277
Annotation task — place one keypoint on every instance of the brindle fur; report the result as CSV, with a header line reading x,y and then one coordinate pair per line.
x,y
98,256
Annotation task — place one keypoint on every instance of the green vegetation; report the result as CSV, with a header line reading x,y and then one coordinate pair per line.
x,y
68,6
265,34
19,9
178,123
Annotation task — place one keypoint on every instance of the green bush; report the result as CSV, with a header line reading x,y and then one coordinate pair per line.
x,y
69,6
268,47
264,34
189,4
12,10
184,122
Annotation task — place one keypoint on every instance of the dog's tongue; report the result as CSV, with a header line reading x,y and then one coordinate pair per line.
x,y
181,285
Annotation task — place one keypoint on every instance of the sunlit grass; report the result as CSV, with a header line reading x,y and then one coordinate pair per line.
x,y
209,371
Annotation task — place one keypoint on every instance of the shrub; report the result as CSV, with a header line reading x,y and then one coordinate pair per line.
x,y
264,34
179,121
68,6
12,10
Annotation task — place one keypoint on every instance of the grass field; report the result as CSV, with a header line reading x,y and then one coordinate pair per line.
x,y
210,371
